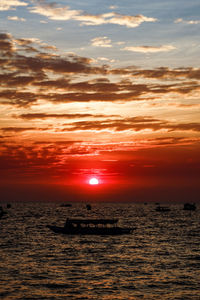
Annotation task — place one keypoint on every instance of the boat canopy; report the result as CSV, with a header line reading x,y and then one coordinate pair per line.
x,y
91,221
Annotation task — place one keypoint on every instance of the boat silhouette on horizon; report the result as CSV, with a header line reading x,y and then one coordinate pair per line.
x,y
91,227
189,206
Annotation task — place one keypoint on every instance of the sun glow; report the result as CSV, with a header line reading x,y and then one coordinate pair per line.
x,y
93,181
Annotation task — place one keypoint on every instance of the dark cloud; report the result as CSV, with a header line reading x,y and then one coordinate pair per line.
x,y
42,62
22,129
6,44
160,73
16,129
15,80
31,116
15,97
61,143
55,64
87,97
134,124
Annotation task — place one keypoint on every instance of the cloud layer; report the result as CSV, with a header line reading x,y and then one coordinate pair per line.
x,y
37,66
53,12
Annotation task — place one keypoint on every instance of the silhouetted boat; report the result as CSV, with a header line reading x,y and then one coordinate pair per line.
x,y
89,207
189,206
2,212
66,205
162,208
91,227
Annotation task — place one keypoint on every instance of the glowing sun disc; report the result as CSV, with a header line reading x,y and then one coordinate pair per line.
x,y
93,181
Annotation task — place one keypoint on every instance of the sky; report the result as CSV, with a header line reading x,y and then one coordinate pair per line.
x,y
100,89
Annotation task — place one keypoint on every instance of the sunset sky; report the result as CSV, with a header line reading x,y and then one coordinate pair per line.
x,y
104,89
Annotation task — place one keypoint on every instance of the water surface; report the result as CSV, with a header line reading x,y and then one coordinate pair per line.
x,y
159,260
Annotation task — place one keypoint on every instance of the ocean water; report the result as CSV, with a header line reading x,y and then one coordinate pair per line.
x,y
159,260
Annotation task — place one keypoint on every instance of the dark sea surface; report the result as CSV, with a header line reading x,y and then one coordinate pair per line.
x,y
159,260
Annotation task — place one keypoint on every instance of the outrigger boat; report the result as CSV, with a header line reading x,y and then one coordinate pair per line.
x,y
91,227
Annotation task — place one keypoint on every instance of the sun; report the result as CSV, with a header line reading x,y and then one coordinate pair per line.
x,y
93,181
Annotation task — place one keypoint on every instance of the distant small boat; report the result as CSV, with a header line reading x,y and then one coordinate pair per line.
x,y
91,227
189,206
89,207
162,208
2,212
65,205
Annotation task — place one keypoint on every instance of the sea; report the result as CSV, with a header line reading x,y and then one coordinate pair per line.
x,y
160,259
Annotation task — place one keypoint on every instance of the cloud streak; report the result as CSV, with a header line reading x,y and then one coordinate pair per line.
x,y
32,116
189,22
150,49
133,124
53,12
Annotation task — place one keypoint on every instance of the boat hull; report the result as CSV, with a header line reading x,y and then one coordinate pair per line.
x,y
91,231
